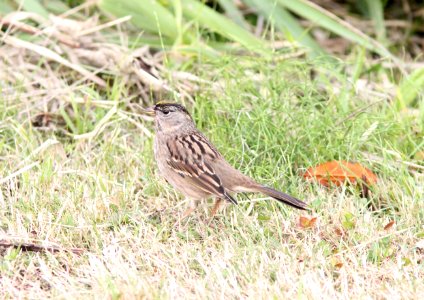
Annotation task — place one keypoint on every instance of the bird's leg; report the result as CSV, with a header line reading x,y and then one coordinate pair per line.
x,y
216,207
190,209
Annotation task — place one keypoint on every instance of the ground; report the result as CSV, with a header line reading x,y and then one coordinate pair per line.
x,y
272,119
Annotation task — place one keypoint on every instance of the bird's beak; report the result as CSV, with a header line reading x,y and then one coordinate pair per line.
x,y
149,111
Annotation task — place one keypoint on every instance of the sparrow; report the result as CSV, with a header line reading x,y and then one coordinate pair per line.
x,y
194,166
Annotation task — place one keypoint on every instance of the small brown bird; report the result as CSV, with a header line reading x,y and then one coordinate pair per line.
x,y
192,165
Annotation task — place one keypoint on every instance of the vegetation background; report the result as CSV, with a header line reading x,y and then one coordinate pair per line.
x,y
279,86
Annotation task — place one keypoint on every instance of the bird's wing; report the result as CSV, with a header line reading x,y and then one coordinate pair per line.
x,y
191,156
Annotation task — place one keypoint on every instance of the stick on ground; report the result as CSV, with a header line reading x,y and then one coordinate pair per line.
x,y
38,248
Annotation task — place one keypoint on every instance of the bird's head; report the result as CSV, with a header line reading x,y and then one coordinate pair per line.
x,y
170,116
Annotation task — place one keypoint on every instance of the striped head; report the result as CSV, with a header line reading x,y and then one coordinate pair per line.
x,y
170,117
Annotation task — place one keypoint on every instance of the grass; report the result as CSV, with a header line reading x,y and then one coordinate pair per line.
x,y
271,119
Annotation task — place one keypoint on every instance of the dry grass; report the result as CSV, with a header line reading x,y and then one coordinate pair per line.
x,y
104,198
78,172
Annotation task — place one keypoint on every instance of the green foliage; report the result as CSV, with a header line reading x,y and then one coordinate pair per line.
x,y
147,15
33,6
410,88
206,17
374,9
233,13
166,19
286,23
331,22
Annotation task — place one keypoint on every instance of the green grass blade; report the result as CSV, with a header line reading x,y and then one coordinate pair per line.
x,y
233,13
331,22
33,6
196,11
56,6
285,22
148,15
375,11
409,88
5,8
150,40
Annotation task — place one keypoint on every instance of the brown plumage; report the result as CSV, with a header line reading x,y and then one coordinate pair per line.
x,y
192,165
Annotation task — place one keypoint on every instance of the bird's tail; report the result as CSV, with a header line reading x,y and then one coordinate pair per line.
x,y
280,196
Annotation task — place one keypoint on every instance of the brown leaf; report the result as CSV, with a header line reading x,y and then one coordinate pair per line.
x,y
305,222
389,225
312,221
339,231
338,172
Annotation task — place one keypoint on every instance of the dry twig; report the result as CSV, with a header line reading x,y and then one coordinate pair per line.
x,y
38,248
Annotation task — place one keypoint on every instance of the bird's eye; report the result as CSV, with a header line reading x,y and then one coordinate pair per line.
x,y
166,112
